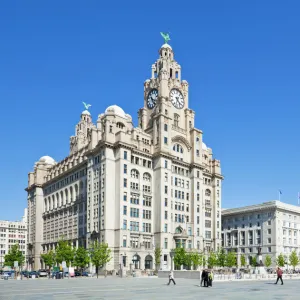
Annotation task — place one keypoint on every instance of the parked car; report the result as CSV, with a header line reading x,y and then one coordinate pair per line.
x,y
84,274
43,273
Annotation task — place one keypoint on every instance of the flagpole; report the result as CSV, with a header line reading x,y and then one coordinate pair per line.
x,y
279,195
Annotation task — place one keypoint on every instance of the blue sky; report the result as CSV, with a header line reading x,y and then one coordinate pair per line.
x,y
241,59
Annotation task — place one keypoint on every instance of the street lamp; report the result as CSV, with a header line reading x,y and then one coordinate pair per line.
x,y
172,254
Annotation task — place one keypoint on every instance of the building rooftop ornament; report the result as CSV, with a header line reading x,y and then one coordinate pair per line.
x,y
87,106
165,36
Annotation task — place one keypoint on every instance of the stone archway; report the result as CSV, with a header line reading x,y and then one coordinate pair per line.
x,y
148,262
136,260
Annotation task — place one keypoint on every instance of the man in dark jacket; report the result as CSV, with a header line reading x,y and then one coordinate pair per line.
x,y
203,277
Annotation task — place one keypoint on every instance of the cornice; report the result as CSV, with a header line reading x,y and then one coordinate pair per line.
x,y
33,186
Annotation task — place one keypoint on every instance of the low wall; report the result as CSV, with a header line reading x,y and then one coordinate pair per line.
x,y
180,274
226,277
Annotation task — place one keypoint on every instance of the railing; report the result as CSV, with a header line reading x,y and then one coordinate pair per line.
x,y
246,276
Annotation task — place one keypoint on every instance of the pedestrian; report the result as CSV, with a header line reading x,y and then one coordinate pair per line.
x,y
210,278
202,276
206,278
279,276
171,278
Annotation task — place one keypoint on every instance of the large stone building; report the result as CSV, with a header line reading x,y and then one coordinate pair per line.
x,y
136,188
11,233
272,226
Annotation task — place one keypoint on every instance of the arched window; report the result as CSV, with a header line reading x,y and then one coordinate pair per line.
x,y
178,230
178,148
66,194
134,174
176,120
147,177
207,192
120,125
61,198
57,200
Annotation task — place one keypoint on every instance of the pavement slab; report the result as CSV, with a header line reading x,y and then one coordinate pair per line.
x,y
144,288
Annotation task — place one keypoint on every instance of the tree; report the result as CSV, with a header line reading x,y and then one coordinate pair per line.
x,y
252,261
280,261
294,259
243,260
230,259
64,252
81,258
100,255
188,260
221,258
212,260
197,259
14,254
157,255
49,258
268,261
179,257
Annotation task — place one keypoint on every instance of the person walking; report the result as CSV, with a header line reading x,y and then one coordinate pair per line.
x,y
202,277
171,278
279,275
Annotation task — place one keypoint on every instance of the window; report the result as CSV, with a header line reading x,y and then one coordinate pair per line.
x,y
269,240
269,231
125,182
166,243
208,234
134,212
269,222
124,224
166,227
166,164
166,189
166,202
197,152
176,120
125,155
269,249
207,223
166,127
124,210
125,169
124,241
198,232
166,215
134,174
165,140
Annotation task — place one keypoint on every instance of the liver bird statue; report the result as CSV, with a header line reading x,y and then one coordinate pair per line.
x,y
165,36
86,105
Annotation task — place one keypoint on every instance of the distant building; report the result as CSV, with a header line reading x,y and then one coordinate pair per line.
x,y
272,226
12,232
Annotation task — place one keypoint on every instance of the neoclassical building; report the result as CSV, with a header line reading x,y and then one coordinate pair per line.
x,y
136,188
273,226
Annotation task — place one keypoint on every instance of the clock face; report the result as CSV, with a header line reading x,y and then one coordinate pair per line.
x,y
152,98
177,98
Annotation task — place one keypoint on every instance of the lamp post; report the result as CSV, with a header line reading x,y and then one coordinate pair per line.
x,y
172,254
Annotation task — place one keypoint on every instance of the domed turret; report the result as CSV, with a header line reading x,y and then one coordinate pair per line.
x,y
47,160
115,110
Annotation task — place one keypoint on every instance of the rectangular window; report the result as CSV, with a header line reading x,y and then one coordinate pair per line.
x,y
166,215
166,164
166,243
124,241
165,140
124,210
166,228
125,169
125,182
208,234
166,189
125,197
125,154
166,202
166,127
124,224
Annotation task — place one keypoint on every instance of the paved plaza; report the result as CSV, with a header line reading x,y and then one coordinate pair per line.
x,y
143,288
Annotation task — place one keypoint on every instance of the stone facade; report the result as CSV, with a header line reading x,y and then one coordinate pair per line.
x,y
272,226
12,232
136,188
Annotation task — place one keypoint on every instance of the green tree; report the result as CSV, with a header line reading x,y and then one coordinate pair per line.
x,y
197,259
230,259
179,257
268,261
243,260
100,255
221,258
81,258
64,252
157,255
252,261
188,260
294,259
212,260
14,254
280,261
49,258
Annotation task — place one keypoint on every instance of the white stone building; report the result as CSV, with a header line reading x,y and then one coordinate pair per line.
x,y
11,233
133,187
272,226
